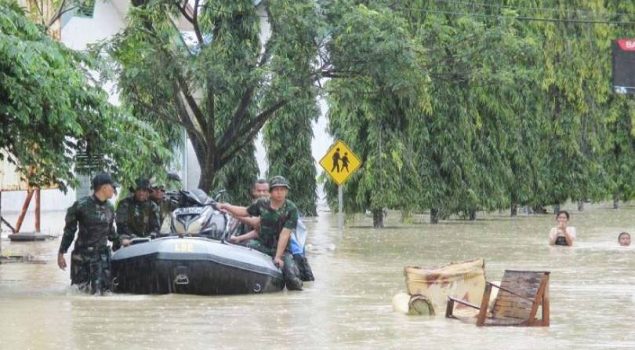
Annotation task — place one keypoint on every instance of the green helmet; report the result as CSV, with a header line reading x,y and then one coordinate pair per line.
x,y
278,181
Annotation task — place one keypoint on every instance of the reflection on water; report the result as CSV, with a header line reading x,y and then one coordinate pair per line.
x,y
349,305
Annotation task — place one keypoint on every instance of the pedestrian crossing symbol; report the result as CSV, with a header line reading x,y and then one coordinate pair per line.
x,y
340,162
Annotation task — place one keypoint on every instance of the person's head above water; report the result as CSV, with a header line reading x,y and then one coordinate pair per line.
x,y
624,239
562,218
563,213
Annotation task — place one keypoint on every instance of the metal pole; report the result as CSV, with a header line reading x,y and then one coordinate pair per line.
x,y
25,207
340,214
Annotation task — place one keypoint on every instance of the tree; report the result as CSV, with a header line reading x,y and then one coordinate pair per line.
x,y
619,160
214,87
575,90
515,111
378,93
287,137
51,109
289,153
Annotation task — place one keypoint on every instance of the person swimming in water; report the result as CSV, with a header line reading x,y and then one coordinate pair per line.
x,y
624,239
562,234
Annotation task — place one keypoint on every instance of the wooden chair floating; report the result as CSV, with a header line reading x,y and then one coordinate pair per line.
x,y
516,304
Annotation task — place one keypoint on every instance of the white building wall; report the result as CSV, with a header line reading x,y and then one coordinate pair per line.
x,y
81,31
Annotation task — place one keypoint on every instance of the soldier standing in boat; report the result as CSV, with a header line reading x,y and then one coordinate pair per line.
x,y
137,215
278,217
95,216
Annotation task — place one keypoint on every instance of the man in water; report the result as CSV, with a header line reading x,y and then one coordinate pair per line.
x,y
278,217
624,239
90,259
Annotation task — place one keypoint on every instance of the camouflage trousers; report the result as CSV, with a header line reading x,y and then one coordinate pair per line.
x,y
290,271
90,270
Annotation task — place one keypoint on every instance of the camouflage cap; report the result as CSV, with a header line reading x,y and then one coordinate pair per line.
x,y
278,181
141,184
155,184
102,179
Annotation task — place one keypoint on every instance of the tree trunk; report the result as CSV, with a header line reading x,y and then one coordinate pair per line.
x,y
405,216
616,202
472,215
514,209
556,208
206,181
378,218
580,205
434,216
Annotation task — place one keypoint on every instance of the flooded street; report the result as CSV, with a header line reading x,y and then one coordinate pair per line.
x,y
592,292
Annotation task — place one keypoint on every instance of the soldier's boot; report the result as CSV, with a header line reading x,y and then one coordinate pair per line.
x,y
306,274
291,273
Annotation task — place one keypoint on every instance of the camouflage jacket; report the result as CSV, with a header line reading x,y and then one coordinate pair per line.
x,y
137,219
272,221
95,220
165,208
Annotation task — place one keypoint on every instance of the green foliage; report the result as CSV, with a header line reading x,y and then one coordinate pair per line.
x,y
377,95
458,106
51,109
287,137
225,86
238,175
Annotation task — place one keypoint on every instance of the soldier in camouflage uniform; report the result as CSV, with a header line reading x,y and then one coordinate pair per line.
x,y
137,215
157,195
278,217
90,259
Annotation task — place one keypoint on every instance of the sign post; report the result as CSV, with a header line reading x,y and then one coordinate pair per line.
x,y
340,163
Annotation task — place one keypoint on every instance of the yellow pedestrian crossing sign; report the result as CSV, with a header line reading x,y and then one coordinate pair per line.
x,y
340,162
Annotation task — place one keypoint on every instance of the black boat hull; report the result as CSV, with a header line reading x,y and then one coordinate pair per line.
x,y
193,266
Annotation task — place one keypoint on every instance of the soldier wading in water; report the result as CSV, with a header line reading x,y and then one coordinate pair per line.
x,y
278,217
90,259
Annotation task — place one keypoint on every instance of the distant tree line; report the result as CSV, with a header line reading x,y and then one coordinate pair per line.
x,y
452,106
483,106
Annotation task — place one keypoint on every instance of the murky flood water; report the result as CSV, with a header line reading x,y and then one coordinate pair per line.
x,y
358,271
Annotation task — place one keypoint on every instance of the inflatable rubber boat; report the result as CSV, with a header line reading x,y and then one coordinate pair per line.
x,y
193,265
